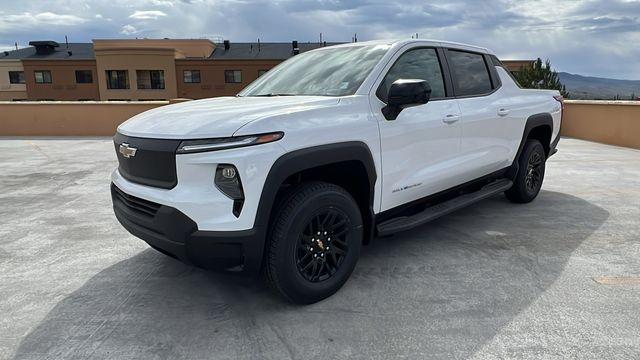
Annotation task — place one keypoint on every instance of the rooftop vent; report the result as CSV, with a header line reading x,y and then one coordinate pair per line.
x,y
227,44
44,47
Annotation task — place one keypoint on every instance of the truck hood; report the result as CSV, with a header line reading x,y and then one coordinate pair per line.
x,y
215,117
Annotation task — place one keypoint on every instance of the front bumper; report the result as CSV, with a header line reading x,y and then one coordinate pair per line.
x,y
195,194
175,234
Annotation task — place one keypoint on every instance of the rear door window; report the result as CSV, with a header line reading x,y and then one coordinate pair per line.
x,y
470,73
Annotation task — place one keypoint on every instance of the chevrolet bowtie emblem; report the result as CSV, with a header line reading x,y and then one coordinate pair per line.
x,y
127,151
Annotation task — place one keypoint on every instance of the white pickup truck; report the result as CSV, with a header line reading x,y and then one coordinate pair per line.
x,y
326,151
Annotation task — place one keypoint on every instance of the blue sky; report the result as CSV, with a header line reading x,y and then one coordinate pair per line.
x,y
598,38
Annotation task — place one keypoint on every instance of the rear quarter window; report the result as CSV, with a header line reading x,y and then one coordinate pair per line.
x,y
497,62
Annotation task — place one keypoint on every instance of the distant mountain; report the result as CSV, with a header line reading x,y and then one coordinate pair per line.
x,y
588,87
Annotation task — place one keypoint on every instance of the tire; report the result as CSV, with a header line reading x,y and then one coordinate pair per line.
x,y
528,181
301,265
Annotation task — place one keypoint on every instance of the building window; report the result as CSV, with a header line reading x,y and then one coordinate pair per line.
x,y
117,79
232,76
262,72
42,76
84,76
16,77
150,79
191,76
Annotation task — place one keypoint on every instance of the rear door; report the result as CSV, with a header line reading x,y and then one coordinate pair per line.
x,y
421,146
485,118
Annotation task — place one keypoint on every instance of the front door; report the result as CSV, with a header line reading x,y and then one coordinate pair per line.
x,y
420,148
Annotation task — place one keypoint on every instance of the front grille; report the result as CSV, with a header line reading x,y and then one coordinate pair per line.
x,y
135,204
154,162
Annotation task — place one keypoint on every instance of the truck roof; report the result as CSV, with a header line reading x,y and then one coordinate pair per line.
x,y
426,42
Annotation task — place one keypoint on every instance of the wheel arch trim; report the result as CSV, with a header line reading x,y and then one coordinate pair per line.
x,y
533,121
309,158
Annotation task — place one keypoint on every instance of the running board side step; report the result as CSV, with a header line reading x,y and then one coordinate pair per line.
x,y
403,223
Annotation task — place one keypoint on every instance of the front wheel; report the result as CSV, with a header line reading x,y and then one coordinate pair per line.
x,y
315,242
528,181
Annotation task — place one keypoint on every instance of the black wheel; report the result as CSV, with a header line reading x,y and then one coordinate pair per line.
x,y
315,242
528,181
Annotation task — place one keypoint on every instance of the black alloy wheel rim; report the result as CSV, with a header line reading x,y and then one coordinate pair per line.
x,y
322,246
534,172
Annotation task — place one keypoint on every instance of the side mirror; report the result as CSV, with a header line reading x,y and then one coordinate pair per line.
x,y
405,93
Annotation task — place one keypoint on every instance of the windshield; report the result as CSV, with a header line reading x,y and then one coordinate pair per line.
x,y
328,72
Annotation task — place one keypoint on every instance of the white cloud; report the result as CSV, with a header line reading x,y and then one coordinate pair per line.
x,y
161,3
129,30
98,16
43,18
148,15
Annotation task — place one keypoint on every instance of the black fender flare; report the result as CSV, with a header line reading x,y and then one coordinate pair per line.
x,y
308,158
533,121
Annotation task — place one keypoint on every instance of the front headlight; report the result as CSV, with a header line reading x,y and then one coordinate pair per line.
x,y
194,146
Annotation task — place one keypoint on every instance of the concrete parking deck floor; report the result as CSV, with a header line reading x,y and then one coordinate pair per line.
x,y
496,280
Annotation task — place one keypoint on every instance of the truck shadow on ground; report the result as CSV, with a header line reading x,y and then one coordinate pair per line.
x,y
442,291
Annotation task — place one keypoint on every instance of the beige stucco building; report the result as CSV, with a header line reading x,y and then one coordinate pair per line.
x,y
66,82
517,65
144,69
125,74
12,86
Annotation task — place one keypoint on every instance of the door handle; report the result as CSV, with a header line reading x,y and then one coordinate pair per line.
x,y
503,112
450,119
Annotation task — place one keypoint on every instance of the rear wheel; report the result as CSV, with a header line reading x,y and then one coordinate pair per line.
x,y
314,243
528,181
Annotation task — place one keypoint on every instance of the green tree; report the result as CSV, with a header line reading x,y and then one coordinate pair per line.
x,y
540,76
